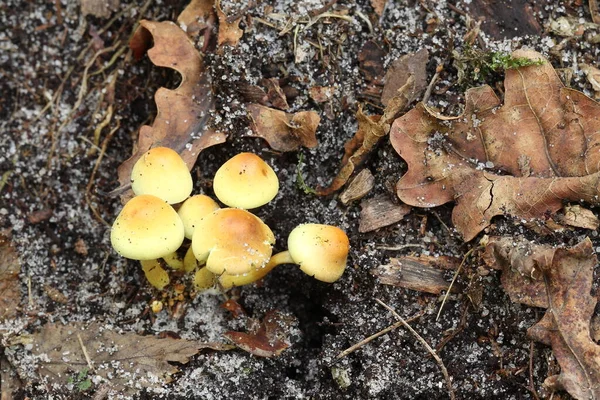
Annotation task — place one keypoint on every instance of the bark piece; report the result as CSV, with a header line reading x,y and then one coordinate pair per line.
x,y
413,273
380,211
360,186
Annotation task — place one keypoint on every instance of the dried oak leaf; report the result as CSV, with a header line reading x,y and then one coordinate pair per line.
x,y
229,32
414,64
284,131
561,281
268,338
183,112
10,266
525,158
127,362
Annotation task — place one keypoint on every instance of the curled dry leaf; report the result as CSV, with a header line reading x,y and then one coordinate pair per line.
x,y
370,131
559,279
183,112
268,338
525,158
127,362
10,291
284,131
229,32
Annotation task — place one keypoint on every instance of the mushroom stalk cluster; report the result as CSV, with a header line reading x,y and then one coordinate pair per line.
x,y
229,246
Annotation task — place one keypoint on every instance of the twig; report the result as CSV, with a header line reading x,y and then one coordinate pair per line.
x,y
433,81
401,247
531,384
382,332
426,345
453,280
85,353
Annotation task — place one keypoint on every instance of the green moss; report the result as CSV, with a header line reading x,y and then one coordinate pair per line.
x,y
476,66
300,179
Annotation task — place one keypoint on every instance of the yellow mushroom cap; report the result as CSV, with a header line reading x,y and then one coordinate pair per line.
x,y
146,228
320,250
193,210
162,172
245,181
232,241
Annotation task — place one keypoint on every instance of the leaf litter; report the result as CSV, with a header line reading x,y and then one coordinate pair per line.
x,y
126,362
524,158
560,280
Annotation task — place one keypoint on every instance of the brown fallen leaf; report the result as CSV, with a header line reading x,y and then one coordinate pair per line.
x,y
525,158
100,9
197,16
593,76
559,279
370,131
10,291
321,94
396,76
380,211
275,93
183,112
284,131
268,338
378,6
370,62
229,32
127,362
502,21
577,216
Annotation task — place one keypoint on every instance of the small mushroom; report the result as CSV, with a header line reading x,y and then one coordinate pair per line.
x,y
147,228
193,210
245,181
162,172
320,250
232,241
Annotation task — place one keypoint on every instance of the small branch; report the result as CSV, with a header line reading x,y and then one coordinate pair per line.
x,y
85,353
453,280
401,246
382,332
426,345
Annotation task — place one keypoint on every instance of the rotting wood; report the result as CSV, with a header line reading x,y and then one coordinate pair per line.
x,y
380,211
410,273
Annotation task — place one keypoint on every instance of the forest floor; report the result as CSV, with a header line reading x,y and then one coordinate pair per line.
x,y
73,101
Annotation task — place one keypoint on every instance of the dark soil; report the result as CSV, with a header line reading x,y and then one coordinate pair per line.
x,y
47,160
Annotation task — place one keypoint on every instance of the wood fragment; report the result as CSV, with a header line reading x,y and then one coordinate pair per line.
x,y
359,187
410,273
380,211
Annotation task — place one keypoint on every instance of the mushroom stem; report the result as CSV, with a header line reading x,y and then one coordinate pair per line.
x,y
228,281
283,257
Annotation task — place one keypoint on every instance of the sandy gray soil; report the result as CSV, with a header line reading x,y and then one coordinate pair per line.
x,y
47,161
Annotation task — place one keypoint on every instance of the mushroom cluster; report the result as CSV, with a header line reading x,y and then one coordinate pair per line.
x,y
229,246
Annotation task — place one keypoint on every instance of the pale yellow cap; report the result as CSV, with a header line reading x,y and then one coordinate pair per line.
x,y
193,210
245,181
147,228
320,250
232,241
162,172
